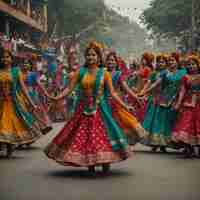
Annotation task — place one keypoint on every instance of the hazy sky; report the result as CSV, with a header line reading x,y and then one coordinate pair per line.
x,y
132,8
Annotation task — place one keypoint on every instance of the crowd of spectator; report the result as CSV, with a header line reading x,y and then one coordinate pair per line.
x,y
16,41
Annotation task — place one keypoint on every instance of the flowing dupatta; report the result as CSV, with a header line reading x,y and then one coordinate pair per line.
x,y
117,138
115,78
20,110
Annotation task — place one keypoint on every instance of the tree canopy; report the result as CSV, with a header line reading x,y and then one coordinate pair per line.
x,y
71,16
110,28
170,19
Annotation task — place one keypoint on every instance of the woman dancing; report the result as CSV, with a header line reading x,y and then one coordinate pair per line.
x,y
92,137
17,124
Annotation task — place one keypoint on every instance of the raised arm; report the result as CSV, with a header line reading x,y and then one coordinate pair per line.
x,y
71,86
146,86
129,91
150,88
42,88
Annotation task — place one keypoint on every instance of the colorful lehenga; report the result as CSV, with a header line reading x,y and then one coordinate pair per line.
x,y
137,83
91,137
60,111
187,128
17,124
125,119
160,115
35,93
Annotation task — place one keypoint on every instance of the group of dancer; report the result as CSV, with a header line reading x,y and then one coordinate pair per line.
x,y
112,107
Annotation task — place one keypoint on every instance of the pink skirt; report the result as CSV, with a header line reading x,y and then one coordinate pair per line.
x,y
187,128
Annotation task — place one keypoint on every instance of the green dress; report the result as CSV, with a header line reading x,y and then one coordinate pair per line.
x,y
160,116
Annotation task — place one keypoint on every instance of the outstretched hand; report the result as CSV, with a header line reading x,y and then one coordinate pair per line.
x,y
139,101
130,108
34,108
176,107
141,94
52,98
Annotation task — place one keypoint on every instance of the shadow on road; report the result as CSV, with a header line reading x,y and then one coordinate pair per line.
x,y
86,175
3,157
30,148
157,153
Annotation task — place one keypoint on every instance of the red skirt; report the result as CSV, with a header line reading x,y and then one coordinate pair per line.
x,y
140,111
187,128
84,142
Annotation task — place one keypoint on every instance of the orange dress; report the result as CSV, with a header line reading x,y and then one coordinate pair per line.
x,y
13,129
127,121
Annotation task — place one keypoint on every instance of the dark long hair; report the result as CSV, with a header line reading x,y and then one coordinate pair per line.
x,y
112,53
194,59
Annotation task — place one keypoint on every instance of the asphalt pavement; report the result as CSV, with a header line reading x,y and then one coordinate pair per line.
x,y
30,175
